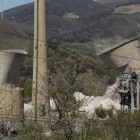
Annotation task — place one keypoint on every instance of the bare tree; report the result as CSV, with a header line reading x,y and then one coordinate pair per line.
x,y
67,76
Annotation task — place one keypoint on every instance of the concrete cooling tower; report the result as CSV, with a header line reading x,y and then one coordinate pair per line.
x,y
10,65
11,97
121,57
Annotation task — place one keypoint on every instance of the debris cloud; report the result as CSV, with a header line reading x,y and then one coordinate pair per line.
x,y
89,103
111,98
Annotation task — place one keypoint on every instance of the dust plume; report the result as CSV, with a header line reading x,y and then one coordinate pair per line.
x,y
111,98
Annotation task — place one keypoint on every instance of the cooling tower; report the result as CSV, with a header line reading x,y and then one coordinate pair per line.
x,y
11,97
40,98
10,65
121,57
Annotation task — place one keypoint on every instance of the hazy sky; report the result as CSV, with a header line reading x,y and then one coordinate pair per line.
x,y
7,4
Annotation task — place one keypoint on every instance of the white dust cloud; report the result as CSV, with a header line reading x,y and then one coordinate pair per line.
x,y
28,106
89,103
111,98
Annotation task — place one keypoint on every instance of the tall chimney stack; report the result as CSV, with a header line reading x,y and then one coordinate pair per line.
x,y
40,96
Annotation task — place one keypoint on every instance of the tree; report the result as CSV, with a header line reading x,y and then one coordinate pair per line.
x,y
32,131
100,112
66,75
124,126
63,82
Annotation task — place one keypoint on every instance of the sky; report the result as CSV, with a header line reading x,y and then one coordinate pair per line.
x,y
7,4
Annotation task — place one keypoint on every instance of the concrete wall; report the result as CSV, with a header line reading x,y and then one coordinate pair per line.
x,y
11,104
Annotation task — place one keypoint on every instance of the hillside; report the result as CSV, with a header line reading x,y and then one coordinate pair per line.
x,y
115,3
128,9
12,37
57,23
125,26
58,8
92,20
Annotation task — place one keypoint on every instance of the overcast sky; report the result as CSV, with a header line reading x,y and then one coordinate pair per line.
x,y
7,4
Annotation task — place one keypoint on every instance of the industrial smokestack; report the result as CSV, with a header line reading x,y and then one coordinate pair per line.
x,y
40,95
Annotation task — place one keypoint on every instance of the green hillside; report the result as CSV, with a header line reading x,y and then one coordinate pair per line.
x,y
12,36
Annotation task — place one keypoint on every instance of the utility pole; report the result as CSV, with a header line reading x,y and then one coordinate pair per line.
x,y
1,9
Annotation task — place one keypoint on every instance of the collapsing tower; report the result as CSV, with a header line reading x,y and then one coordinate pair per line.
x,y
123,60
40,97
121,57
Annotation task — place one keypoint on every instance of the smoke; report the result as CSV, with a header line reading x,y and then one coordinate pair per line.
x,y
105,43
110,99
28,106
89,103
52,104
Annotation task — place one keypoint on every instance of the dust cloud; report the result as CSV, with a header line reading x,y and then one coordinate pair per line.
x,y
28,106
89,103
111,98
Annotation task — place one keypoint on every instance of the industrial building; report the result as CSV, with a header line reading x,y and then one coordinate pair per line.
x,y
11,97
123,61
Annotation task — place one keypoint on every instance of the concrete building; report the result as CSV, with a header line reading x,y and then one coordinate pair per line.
x,y
40,97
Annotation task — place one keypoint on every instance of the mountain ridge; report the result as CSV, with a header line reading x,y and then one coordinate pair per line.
x,y
95,20
57,25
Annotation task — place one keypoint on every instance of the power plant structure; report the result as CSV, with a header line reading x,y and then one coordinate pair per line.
x,y
121,57
128,85
40,96
11,97
123,61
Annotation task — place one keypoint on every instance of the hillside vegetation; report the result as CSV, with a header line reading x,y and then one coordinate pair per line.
x,y
23,16
116,3
12,37
95,21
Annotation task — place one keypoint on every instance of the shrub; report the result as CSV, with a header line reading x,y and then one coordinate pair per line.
x,y
100,112
32,131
